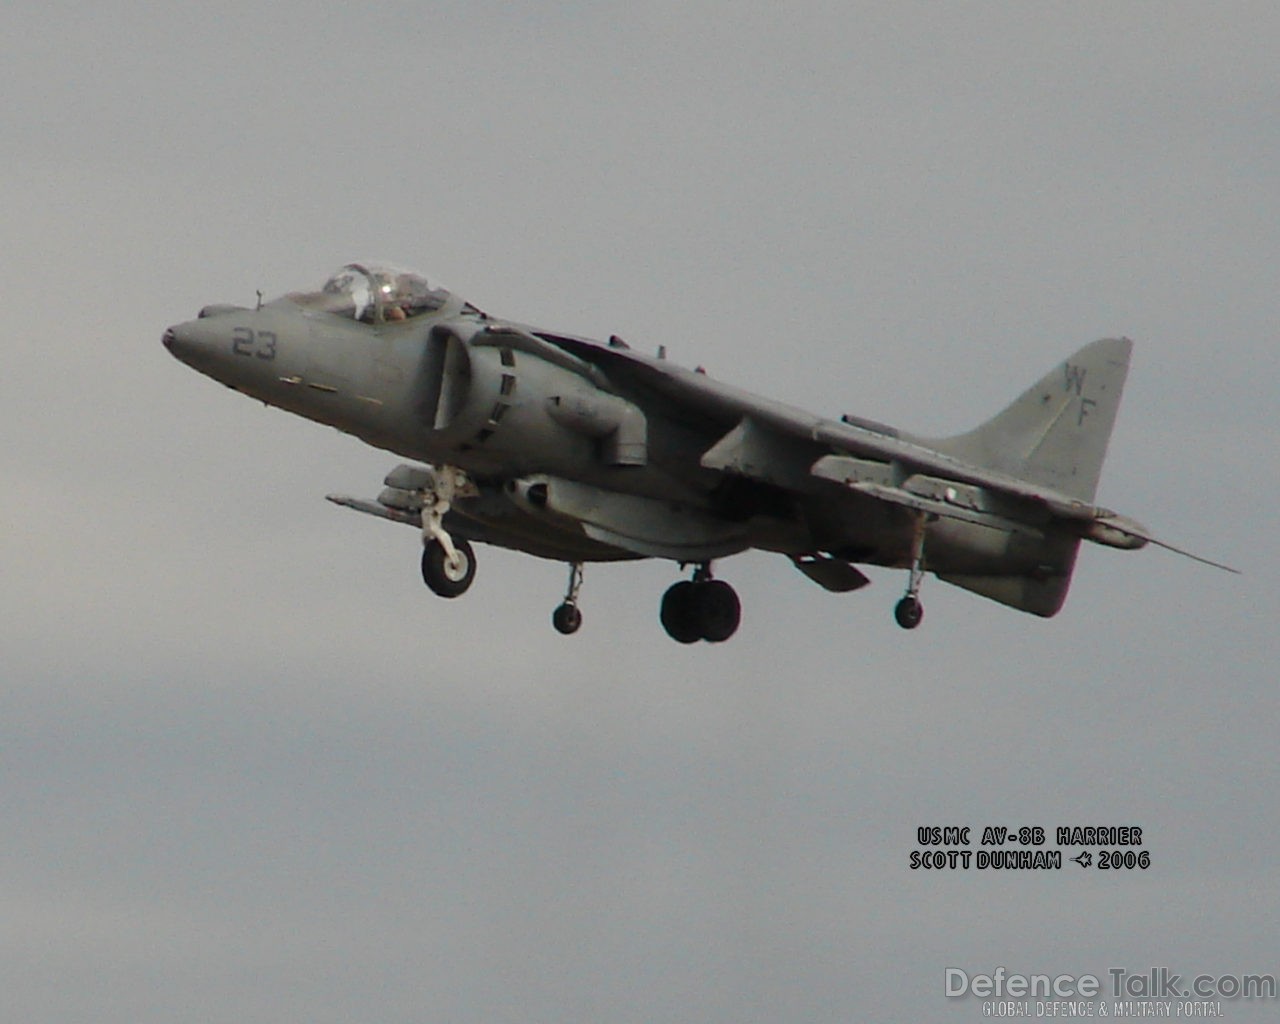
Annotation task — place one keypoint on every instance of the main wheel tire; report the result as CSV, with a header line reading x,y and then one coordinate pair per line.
x,y
679,613
567,618
908,612
719,610
445,579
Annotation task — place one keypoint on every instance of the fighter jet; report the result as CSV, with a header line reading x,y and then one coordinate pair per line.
x,y
580,451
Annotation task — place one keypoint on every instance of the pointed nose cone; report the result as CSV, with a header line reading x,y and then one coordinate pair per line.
x,y
192,342
234,346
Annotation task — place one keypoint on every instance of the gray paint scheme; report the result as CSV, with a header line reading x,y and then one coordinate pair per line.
x,y
581,451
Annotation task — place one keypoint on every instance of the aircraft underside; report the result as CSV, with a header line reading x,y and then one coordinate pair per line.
x,y
452,514
560,521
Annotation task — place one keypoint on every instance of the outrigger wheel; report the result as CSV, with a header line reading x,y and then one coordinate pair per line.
x,y
909,611
567,618
448,577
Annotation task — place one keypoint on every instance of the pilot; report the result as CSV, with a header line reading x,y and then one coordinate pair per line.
x,y
416,295
398,303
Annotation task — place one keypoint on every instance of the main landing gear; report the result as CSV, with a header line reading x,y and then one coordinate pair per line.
x,y
700,609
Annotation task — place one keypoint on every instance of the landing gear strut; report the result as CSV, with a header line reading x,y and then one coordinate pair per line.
x,y
700,609
909,611
567,618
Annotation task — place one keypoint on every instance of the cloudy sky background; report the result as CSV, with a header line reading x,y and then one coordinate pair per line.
x,y
251,770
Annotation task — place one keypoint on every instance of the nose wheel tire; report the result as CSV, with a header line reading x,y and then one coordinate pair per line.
x,y
567,619
909,611
448,577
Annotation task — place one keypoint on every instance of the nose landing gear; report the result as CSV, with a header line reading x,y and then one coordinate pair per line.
x,y
700,609
448,565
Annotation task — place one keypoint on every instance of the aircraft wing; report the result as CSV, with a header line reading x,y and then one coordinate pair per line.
x,y
755,433
748,419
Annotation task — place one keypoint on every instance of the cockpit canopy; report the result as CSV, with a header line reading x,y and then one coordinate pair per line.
x,y
375,293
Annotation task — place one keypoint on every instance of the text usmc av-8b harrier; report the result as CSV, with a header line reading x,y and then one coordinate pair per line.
x,y
579,451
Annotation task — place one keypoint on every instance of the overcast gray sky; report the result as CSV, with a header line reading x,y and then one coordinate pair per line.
x,y
253,771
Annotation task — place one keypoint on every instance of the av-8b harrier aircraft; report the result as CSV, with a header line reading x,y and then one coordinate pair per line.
x,y
580,451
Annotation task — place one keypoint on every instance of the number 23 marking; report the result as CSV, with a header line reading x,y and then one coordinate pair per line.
x,y
248,342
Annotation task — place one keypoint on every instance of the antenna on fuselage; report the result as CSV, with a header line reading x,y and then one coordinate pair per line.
x,y
259,305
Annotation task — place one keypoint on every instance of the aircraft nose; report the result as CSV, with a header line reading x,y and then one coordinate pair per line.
x,y
190,343
177,343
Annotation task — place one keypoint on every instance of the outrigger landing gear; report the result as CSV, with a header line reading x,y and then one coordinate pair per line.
x,y
700,609
448,565
909,611
567,618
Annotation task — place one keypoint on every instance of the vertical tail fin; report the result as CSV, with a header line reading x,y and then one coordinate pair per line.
x,y
1056,432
